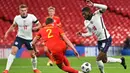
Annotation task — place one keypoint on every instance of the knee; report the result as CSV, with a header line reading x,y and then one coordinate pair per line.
x,y
60,66
14,50
98,58
33,55
104,60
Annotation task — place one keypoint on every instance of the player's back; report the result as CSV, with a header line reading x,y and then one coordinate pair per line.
x,y
50,33
52,38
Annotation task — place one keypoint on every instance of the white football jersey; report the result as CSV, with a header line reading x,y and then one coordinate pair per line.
x,y
25,26
96,25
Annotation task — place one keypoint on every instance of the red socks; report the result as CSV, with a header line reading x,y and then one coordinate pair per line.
x,y
49,56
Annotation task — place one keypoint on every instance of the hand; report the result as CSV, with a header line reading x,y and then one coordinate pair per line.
x,y
35,29
79,33
89,3
76,54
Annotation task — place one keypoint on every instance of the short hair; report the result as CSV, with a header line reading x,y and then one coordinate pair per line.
x,y
23,6
51,7
49,21
86,9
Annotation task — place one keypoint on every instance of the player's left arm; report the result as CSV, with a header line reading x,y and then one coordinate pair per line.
x,y
38,24
102,7
68,42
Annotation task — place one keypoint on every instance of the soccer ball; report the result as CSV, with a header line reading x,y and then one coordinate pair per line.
x,y
86,67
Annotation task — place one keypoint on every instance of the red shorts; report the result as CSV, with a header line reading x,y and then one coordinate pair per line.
x,y
58,46
58,57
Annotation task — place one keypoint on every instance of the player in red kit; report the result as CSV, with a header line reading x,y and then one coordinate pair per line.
x,y
55,40
57,23
51,12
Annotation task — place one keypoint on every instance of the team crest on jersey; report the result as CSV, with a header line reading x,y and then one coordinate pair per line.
x,y
16,43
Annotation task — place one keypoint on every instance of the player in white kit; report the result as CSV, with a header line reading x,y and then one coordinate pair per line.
x,y
94,24
25,22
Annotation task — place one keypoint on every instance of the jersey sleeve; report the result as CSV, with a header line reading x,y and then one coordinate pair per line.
x,y
35,20
38,35
86,23
102,8
60,31
99,12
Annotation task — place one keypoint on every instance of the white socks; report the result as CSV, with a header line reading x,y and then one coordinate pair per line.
x,y
100,66
110,59
34,63
10,61
12,57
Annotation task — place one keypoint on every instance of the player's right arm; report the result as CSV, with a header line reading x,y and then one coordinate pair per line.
x,y
10,29
89,33
89,30
102,8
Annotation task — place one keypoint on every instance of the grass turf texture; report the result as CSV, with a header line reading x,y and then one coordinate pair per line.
x,y
24,65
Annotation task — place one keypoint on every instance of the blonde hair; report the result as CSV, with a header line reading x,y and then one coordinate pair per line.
x,y
23,6
51,7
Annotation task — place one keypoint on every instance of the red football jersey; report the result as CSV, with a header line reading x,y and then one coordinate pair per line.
x,y
52,38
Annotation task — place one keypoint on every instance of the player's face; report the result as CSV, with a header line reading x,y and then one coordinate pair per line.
x,y
51,12
85,14
23,11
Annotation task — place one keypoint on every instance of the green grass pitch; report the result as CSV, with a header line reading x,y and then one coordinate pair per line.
x,y
24,65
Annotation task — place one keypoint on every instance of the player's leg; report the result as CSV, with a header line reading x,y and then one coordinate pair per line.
x,y
99,58
120,60
66,61
48,54
59,58
110,59
100,62
17,45
33,56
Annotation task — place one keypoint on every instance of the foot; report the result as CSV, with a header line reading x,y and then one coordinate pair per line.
x,y
123,62
49,64
80,72
5,71
37,71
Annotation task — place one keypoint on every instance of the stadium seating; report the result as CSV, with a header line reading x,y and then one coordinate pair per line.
x,y
116,18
